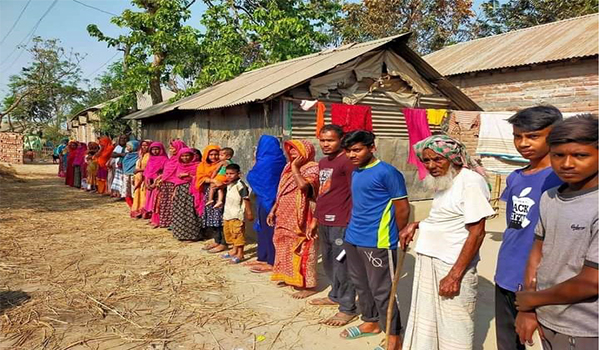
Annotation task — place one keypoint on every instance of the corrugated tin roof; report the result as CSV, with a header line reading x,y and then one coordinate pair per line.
x,y
267,82
570,38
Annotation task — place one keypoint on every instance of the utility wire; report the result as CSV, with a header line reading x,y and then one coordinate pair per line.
x,y
16,21
102,66
95,8
29,35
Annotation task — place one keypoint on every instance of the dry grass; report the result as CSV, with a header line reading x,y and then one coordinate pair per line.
x,y
78,273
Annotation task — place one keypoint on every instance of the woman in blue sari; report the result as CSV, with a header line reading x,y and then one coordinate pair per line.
x,y
264,180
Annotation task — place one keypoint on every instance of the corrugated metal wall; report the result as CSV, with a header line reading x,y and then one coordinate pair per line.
x,y
388,120
238,127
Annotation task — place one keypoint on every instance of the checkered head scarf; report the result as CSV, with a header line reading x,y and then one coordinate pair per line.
x,y
450,149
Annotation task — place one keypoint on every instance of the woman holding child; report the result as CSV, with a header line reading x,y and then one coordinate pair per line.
x,y
292,214
211,217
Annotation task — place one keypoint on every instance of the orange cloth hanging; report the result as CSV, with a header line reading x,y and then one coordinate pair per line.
x,y
320,117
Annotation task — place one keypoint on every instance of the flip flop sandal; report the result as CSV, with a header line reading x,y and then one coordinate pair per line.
x,y
209,246
213,251
317,302
235,260
379,347
354,333
226,256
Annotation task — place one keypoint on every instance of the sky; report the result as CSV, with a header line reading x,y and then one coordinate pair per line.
x,y
66,20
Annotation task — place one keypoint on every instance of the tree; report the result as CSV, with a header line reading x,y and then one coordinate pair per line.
x,y
434,23
242,35
45,91
499,18
158,47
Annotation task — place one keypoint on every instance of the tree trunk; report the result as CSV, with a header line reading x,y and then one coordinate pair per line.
x,y
155,91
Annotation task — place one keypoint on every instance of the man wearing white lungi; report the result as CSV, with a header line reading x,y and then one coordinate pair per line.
x,y
442,311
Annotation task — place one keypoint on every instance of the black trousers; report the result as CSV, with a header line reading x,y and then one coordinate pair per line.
x,y
342,289
371,273
506,314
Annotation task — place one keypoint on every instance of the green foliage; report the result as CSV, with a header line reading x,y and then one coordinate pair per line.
x,y
517,14
158,45
46,90
434,23
111,121
246,34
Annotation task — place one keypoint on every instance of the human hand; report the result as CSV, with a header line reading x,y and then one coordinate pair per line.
x,y
407,234
297,163
525,301
525,325
312,230
449,286
182,175
271,219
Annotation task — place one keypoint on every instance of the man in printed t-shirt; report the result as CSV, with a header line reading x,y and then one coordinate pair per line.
x,y
333,213
524,188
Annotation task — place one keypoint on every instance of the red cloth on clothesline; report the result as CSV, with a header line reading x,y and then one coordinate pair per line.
x,y
351,117
418,129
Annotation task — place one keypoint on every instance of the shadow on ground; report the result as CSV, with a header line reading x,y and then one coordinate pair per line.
x,y
12,298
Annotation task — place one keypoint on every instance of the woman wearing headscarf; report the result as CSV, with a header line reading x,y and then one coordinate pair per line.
x,y
138,183
152,172
78,164
58,153
263,179
118,186
166,185
186,221
91,165
212,218
102,157
295,243
71,156
129,162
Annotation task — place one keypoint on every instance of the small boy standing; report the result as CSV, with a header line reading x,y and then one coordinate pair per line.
x,y
219,178
524,188
237,208
561,278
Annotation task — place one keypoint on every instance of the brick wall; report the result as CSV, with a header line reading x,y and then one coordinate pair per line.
x,y
11,147
572,86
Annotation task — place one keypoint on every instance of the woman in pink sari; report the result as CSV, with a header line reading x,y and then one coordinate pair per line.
x,y
167,186
152,172
186,221
292,215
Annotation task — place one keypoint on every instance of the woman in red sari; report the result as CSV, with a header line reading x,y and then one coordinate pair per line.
x,y
295,243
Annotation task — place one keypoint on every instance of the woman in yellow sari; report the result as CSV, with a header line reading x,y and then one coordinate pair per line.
x,y
295,243
139,185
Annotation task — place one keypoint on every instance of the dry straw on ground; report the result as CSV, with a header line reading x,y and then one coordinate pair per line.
x,y
76,275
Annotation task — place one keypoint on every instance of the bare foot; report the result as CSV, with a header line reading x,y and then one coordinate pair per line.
x,y
340,319
261,268
323,302
303,294
253,263
210,202
218,205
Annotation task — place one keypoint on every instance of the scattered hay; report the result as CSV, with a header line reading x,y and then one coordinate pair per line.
x,y
83,281
7,172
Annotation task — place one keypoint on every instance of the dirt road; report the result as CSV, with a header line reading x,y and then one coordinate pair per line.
x,y
78,273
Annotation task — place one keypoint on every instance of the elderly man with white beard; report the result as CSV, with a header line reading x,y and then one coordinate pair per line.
x,y
442,312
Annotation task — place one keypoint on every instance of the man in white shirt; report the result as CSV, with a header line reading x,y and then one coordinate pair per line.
x,y
442,311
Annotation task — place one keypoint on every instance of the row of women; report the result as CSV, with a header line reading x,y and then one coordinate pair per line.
x,y
169,190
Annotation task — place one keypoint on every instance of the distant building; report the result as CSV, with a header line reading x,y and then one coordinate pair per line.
x,y
554,63
82,126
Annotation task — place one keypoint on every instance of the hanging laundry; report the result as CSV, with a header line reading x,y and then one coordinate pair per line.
x,y
308,104
496,137
418,129
466,119
436,116
320,117
351,117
